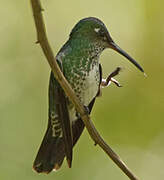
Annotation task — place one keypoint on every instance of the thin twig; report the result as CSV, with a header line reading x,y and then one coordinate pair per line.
x,y
43,41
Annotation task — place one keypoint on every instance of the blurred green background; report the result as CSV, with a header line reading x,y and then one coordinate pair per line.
x,y
131,118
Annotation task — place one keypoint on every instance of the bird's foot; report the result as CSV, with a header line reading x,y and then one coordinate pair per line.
x,y
106,82
86,109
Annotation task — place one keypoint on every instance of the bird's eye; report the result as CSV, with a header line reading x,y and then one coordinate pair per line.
x,y
103,35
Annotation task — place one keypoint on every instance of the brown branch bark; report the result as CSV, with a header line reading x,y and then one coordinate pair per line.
x,y
43,41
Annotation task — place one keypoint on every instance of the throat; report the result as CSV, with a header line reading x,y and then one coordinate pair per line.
x,y
91,47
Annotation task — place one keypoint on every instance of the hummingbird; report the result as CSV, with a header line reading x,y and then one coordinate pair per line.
x,y
79,61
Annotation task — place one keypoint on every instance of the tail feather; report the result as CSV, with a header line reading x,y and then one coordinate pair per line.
x,y
50,155
52,150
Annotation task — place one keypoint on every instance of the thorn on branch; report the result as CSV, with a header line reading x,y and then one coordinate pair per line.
x,y
37,42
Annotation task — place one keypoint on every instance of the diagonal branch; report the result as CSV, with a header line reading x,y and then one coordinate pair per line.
x,y
43,41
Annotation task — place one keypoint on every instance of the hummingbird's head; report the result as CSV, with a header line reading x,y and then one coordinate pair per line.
x,y
95,31
92,29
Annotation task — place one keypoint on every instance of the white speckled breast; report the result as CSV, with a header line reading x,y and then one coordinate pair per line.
x,y
89,91
91,85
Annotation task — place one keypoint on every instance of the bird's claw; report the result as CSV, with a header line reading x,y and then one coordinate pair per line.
x,y
106,82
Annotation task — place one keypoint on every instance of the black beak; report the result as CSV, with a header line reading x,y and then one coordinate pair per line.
x,y
115,47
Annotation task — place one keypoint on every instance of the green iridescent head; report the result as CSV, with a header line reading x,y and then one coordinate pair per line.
x,y
94,30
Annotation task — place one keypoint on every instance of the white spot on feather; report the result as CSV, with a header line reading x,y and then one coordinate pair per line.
x,y
97,30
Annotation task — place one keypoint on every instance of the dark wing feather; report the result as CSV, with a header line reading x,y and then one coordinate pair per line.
x,y
100,70
62,110
57,142
78,125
